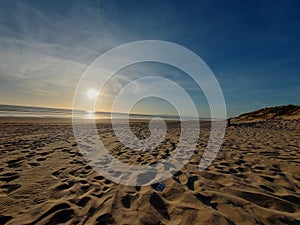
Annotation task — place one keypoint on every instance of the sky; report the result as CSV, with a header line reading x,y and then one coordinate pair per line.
x,y
252,47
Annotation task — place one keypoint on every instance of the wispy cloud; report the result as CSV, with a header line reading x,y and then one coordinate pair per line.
x,y
46,54
253,49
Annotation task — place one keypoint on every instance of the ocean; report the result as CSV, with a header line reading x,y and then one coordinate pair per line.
x,y
41,112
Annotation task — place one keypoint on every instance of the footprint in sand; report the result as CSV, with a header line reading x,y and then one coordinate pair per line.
x,y
8,188
60,213
206,200
33,164
41,159
65,186
57,173
83,201
4,219
15,163
7,177
126,201
105,219
180,177
157,203
191,181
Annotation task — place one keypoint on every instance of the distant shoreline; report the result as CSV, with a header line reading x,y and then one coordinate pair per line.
x,y
14,111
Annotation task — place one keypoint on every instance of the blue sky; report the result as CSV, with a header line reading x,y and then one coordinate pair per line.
x,y
252,47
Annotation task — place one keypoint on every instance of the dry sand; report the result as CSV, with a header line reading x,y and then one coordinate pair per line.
x,y
255,178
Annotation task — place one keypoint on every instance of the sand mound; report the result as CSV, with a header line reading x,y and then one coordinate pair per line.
x,y
272,113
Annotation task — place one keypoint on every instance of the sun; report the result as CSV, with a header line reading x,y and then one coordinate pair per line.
x,y
91,94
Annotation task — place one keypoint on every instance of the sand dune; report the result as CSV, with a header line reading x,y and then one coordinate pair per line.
x,y
271,113
255,178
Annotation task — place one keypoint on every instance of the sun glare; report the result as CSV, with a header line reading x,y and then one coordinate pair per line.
x,y
92,94
90,115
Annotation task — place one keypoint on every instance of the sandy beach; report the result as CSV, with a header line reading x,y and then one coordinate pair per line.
x,y
149,112
44,179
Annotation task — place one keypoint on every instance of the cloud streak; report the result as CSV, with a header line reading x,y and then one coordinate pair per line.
x,y
45,55
253,49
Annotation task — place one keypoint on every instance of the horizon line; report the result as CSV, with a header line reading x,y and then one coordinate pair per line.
x,y
121,113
